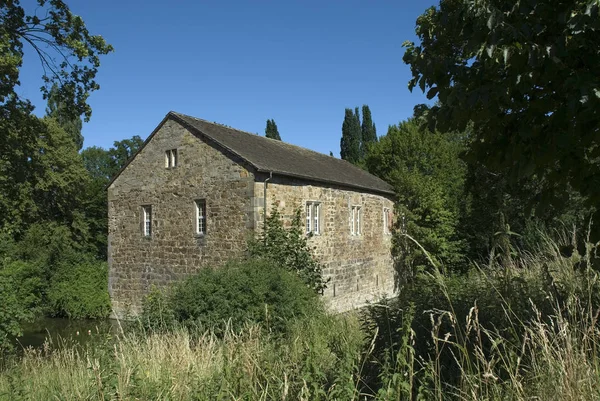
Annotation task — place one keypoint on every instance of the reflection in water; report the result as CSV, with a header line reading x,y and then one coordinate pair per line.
x,y
57,330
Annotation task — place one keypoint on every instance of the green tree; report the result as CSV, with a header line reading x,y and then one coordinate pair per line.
x,y
69,54
71,125
351,137
523,74
102,165
271,130
368,131
288,248
428,177
41,174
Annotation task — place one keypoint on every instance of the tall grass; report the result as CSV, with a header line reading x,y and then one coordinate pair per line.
x,y
524,331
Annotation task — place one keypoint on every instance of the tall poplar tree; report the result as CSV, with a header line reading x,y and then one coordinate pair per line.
x,y
351,135
271,131
368,131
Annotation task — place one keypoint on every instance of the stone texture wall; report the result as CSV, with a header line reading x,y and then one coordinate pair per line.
x,y
174,251
360,267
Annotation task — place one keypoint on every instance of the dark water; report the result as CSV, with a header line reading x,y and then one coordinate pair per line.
x,y
59,331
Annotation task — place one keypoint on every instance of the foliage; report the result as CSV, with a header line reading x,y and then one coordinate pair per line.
x,y
271,130
315,361
78,289
12,313
71,125
56,274
230,297
351,137
467,337
102,165
42,177
69,54
522,73
479,323
368,132
288,248
428,177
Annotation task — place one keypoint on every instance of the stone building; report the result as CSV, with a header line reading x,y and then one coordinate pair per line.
x,y
196,191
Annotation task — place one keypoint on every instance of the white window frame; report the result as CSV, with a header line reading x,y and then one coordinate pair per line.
x,y
355,220
386,221
200,215
171,158
147,220
313,217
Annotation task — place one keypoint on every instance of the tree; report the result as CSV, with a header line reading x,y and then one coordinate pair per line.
x,y
271,130
69,54
101,166
351,137
41,174
428,176
71,125
524,74
368,131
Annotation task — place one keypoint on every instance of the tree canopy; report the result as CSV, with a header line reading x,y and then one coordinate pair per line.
x,y
271,130
368,131
428,177
525,75
69,54
351,137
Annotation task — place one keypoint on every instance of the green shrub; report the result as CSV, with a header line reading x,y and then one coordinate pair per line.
x,y
20,294
157,314
288,248
252,291
80,290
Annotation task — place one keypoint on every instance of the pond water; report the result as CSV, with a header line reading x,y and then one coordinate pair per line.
x,y
57,331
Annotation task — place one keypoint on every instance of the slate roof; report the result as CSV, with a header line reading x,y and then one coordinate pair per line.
x,y
269,155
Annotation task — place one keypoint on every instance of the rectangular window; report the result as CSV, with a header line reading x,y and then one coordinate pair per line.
x,y
387,221
355,223
200,217
313,215
171,158
147,220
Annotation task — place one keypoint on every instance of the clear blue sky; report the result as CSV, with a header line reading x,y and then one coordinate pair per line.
x,y
242,62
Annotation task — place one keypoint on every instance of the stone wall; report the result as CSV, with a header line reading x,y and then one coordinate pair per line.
x,y
360,267
174,251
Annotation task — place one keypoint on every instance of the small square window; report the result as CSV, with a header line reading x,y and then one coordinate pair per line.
x,y
200,217
171,158
355,220
147,221
313,217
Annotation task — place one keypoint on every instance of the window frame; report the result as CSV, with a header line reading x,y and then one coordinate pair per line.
x,y
147,221
171,158
356,220
200,214
313,218
386,221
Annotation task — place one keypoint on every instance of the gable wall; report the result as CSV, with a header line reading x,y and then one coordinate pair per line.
x,y
173,252
360,268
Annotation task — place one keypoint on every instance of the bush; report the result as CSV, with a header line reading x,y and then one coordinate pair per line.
x,y
80,289
289,249
252,291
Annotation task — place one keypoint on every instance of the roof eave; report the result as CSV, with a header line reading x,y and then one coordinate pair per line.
x,y
333,182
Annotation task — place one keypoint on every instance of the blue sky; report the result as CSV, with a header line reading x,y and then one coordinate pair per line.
x,y
242,62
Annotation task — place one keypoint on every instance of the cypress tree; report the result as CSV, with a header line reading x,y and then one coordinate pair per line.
x,y
271,130
350,142
368,132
